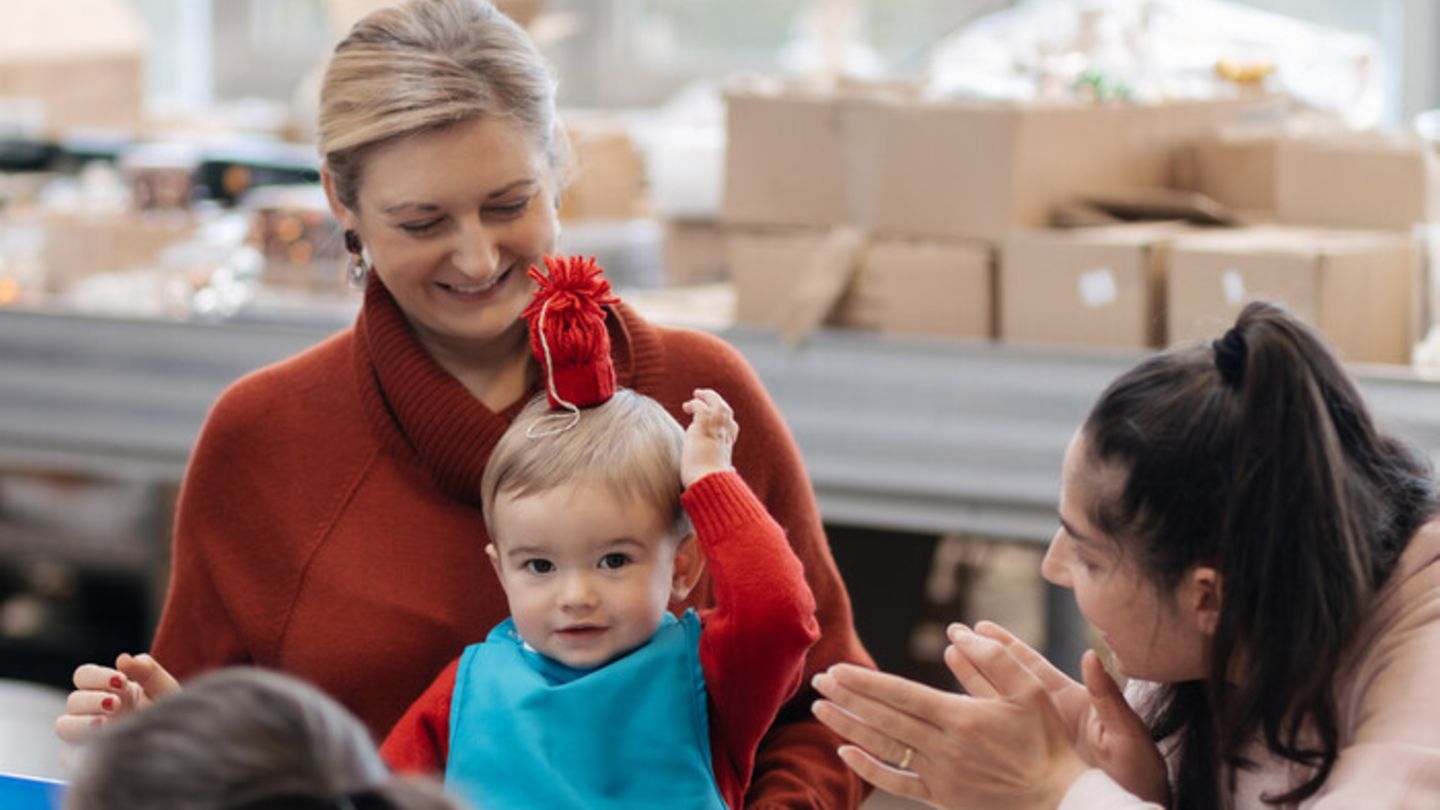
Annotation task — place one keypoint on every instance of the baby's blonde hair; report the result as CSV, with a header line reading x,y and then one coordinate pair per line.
x,y
630,443
425,65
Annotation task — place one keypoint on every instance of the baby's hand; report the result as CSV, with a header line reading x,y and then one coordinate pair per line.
x,y
709,438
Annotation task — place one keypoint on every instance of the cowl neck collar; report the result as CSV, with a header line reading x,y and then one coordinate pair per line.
x,y
422,412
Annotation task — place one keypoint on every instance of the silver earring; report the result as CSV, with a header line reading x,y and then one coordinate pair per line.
x,y
358,271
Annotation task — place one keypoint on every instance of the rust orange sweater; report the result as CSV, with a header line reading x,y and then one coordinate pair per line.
x,y
329,526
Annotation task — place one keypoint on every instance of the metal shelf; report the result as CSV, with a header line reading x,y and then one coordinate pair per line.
x,y
914,434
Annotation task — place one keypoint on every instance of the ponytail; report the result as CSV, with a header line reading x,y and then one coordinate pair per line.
x,y
1256,455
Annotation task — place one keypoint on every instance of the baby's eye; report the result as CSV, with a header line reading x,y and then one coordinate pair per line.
x,y
615,560
539,566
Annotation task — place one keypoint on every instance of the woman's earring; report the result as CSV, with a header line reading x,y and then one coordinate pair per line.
x,y
358,271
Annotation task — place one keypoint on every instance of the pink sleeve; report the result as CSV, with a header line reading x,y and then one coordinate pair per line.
x,y
1095,790
1391,758
1382,776
756,637
420,741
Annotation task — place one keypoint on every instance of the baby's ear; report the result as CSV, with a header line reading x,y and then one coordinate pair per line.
x,y
494,555
689,565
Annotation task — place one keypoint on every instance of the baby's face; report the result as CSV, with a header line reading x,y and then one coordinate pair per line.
x,y
588,575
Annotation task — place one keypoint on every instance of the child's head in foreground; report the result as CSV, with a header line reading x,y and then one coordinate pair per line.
x,y
587,533
241,739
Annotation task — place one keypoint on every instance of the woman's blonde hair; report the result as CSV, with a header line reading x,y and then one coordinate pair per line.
x,y
630,443
425,65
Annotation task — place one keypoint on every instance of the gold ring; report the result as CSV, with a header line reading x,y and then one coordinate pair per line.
x,y
904,762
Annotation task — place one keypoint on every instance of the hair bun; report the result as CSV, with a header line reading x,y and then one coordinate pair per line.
x,y
1230,357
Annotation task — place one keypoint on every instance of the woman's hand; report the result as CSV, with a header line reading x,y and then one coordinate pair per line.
x,y
710,437
102,693
1107,732
1004,745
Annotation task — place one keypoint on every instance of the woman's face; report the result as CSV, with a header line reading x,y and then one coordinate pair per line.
x,y
452,220
1152,635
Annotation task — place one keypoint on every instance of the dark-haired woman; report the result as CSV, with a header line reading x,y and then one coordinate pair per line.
x,y
1265,567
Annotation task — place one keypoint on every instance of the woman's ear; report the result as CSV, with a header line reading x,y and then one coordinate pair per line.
x,y
1202,598
689,565
343,215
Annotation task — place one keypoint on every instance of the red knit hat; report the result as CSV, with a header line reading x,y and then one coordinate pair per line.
x,y
567,331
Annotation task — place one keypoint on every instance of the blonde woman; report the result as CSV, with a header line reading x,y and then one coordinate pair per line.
x,y
330,522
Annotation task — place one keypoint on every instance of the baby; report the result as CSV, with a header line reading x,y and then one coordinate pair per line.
x,y
592,694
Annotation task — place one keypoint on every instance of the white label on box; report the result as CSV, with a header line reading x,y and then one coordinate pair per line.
x,y
1097,287
1233,284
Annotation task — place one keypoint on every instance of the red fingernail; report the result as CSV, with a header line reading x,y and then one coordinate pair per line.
x,y
117,682
107,704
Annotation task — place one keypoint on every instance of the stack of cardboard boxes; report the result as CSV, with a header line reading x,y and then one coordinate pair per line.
x,y
1341,248
955,201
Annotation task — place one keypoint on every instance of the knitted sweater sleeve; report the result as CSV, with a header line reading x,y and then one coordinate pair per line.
x,y
219,513
796,765
420,742
754,642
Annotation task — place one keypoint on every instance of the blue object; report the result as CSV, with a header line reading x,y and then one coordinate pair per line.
x,y
29,793
527,731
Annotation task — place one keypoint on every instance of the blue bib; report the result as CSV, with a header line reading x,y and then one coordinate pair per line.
x,y
529,732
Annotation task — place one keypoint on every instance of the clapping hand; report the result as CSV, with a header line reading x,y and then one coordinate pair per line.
x,y
1108,734
1017,739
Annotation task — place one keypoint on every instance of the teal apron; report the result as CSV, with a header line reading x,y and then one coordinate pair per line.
x,y
529,732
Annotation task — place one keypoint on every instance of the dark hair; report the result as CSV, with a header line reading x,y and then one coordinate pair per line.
x,y
241,738
1256,455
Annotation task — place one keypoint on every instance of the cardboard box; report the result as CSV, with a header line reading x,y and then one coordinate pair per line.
x,y
887,160
1355,287
1345,180
83,60
945,289
797,279
1427,282
791,279
694,252
785,161
1086,286
979,170
608,181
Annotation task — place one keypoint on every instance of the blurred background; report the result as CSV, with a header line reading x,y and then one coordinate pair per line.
x,y
985,209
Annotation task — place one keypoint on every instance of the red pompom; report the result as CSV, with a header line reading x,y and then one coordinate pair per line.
x,y
574,347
